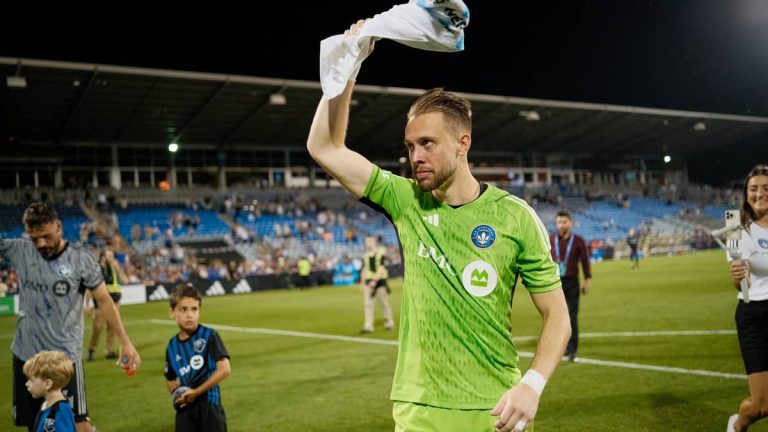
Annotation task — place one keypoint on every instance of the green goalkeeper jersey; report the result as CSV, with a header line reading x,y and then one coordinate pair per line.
x,y
461,265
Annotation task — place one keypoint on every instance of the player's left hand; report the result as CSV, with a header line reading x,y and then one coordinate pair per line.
x,y
516,407
133,357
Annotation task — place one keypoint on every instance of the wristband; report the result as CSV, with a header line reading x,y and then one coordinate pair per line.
x,y
534,380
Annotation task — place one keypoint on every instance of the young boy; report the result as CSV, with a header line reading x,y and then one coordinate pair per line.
x,y
195,358
48,372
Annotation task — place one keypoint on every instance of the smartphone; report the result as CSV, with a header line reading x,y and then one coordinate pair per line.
x,y
733,220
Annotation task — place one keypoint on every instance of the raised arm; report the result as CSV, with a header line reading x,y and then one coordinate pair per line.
x,y
327,145
327,136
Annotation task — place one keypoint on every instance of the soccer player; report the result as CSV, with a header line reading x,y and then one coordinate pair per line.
x,y
195,358
48,373
53,275
464,244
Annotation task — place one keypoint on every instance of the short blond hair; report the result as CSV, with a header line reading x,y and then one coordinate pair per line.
x,y
52,365
456,110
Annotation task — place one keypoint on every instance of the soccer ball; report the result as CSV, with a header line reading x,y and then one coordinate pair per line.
x,y
178,392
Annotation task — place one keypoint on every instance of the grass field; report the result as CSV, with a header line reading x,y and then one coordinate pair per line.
x,y
304,381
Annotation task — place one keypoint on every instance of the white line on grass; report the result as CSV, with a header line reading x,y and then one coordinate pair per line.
x,y
662,333
642,334
626,365
288,333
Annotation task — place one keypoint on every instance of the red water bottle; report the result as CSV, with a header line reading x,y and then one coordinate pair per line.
x,y
129,370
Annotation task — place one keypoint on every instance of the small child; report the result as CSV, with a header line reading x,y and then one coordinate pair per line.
x,y
48,372
195,358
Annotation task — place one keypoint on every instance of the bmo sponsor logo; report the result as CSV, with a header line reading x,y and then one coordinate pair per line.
x,y
439,259
479,278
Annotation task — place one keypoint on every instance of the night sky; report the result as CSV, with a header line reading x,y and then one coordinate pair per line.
x,y
707,55
697,55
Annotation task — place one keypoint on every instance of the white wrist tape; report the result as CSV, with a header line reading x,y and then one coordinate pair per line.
x,y
534,380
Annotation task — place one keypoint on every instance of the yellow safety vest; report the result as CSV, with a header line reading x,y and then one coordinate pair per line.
x,y
114,285
370,266
304,267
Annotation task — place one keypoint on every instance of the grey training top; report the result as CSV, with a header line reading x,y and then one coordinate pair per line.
x,y
50,297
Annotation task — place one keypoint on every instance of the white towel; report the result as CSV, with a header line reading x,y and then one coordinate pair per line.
x,y
432,25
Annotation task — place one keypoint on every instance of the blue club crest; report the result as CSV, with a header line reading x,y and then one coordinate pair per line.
x,y
199,345
483,236
763,243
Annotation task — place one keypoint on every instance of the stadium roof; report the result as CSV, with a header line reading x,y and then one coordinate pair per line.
x,y
59,104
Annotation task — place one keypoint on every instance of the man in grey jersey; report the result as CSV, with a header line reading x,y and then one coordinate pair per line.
x,y
53,276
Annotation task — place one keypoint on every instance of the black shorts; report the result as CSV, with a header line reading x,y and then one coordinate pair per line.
x,y
25,407
201,416
752,327
115,298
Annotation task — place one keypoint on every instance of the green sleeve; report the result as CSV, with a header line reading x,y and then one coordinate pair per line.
x,y
537,269
389,193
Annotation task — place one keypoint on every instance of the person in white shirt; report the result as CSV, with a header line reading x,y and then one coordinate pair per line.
x,y
752,317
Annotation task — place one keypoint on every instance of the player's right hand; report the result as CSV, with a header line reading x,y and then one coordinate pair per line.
x,y
355,28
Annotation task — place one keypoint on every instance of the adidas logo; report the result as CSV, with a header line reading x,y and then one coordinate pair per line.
x,y
433,219
215,289
242,287
160,293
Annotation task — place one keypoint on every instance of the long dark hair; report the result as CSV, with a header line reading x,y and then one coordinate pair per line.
x,y
747,212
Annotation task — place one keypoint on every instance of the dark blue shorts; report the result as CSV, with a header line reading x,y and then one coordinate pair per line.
x,y
201,416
